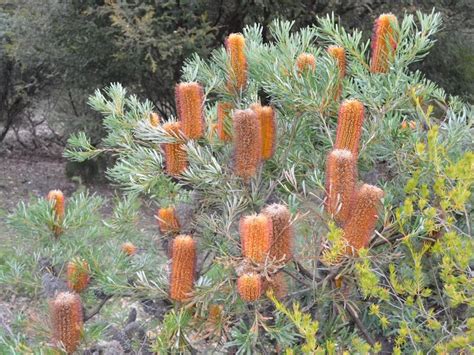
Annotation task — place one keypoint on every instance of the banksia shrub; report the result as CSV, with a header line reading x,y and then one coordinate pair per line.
x,y
247,143
154,119
189,104
361,223
78,275
256,236
167,220
183,267
235,46
341,175
278,285
349,126
66,319
305,62
129,249
383,43
176,160
58,201
282,231
266,117
249,287
224,120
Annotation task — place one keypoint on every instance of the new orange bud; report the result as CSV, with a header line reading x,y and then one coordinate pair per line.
x,y
349,126
129,249
176,160
247,143
67,321
305,62
154,119
224,121
58,205
167,220
249,287
360,226
282,231
78,275
406,124
183,266
235,46
256,236
383,43
278,285
215,313
266,116
341,175
339,54
189,104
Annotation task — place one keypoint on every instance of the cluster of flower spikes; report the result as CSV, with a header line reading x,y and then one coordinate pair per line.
x,y
268,234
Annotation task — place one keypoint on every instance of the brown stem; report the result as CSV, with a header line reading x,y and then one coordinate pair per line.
x,y
97,309
355,317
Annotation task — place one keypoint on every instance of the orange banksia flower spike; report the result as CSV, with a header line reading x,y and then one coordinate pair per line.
x,y
256,236
224,120
365,209
278,285
339,54
78,275
305,62
154,119
341,175
176,160
349,126
282,232
183,266
167,220
383,43
189,104
249,287
129,249
235,46
266,117
58,200
67,321
247,143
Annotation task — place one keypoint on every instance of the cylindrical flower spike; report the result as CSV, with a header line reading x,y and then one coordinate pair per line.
x,y
383,43
78,275
341,176
224,121
189,104
129,249
339,54
361,224
256,236
183,266
58,200
235,46
176,160
247,143
67,321
305,62
167,220
249,287
349,126
266,116
282,232
278,285
154,119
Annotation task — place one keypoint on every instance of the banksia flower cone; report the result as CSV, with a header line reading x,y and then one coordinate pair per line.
x,y
176,160
361,224
235,46
154,119
383,43
189,104
282,232
129,249
278,285
340,182
349,126
78,275
67,321
183,266
339,54
249,287
247,143
58,201
305,62
224,121
256,236
266,117
167,220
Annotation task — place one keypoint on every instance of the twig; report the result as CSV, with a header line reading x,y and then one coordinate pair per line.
x,y
303,271
297,278
97,309
355,317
